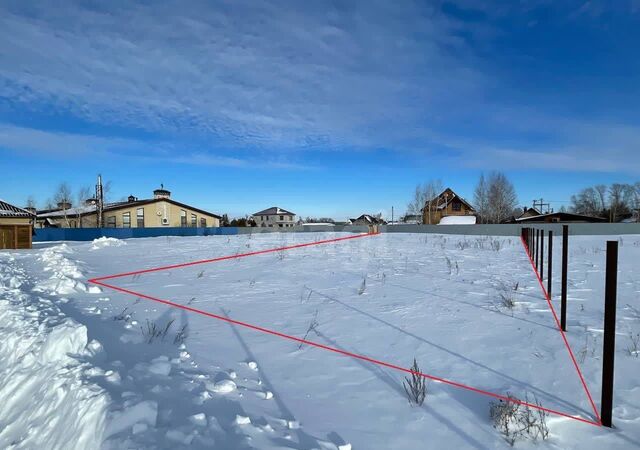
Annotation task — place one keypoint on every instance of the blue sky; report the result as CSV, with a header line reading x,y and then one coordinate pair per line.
x,y
323,108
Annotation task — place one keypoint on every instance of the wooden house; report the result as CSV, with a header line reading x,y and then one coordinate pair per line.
x,y
448,203
16,227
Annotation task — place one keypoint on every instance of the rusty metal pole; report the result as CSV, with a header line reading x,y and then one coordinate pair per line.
x,y
550,264
609,340
565,272
541,255
535,249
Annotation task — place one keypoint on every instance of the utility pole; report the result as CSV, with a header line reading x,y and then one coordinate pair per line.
x,y
542,205
392,215
99,201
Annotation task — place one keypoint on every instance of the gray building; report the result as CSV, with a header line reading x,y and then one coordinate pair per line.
x,y
274,217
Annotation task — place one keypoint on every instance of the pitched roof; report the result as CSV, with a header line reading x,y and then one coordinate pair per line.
x,y
562,217
273,211
91,209
369,219
76,211
450,199
9,210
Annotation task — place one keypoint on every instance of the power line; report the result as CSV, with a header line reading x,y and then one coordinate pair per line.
x,y
542,204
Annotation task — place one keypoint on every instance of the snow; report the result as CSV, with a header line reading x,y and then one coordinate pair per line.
x,y
77,368
223,387
103,242
46,399
458,220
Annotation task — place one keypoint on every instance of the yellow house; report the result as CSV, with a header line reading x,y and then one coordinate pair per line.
x,y
159,211
16,226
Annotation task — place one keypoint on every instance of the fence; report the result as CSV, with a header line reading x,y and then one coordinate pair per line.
x,y
89,234
533,240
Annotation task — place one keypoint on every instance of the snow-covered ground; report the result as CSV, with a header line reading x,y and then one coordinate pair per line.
x,y
81,366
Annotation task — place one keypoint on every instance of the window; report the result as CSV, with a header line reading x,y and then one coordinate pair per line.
x,y
140,217
280,225
281,217
183,218
111,222
194,220
456,206
203,222
126,220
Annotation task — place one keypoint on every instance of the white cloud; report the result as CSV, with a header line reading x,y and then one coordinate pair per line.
x,y
276,77
58,145
285,74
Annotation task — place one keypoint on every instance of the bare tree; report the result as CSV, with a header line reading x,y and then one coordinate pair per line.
x,y
635,201
588,201
106,191
601,191
31,202
481,199
501,196
62,197
431,191
417,203
85,193
619,198
423,200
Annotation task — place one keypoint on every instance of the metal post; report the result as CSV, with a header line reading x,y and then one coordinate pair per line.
x,y
565,271
609,340
535,249
550,264
541,255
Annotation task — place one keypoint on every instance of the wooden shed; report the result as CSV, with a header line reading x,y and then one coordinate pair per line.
x,y
16,227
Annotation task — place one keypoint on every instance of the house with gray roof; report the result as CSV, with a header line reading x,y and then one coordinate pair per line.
x,y
274,217
16,226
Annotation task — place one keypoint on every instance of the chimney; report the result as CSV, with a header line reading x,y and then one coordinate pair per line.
x,y
131,198
64,205
90,202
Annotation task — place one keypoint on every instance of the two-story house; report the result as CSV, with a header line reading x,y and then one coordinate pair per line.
x,y
274,217
448,203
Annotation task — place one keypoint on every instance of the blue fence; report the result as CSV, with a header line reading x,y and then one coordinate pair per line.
x,y
89,234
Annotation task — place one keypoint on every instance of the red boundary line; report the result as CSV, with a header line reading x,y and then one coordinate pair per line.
x,y
562,333
99,281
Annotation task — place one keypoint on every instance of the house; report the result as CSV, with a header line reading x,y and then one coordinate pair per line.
x,y
16,227
560,217
274,217
367,219
159,211
529,212
411,219
448,203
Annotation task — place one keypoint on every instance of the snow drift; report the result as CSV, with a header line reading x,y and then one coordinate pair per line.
x,y
45,398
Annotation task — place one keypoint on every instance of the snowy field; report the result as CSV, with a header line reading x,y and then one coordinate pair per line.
x,y
84,366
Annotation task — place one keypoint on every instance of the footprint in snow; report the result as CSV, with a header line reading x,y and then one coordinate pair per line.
x,y
267,395
222,387
242,420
